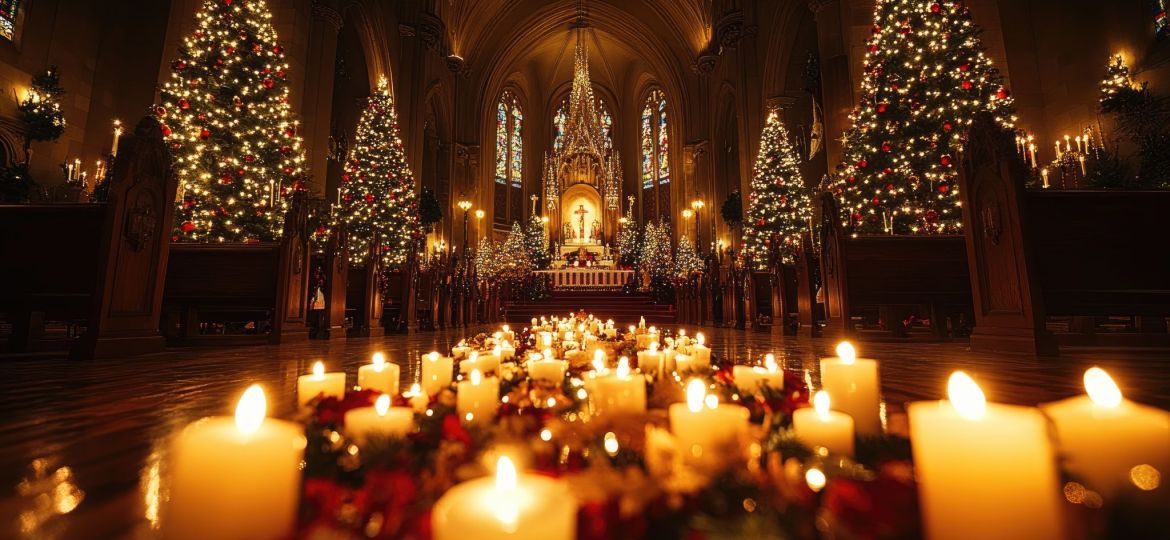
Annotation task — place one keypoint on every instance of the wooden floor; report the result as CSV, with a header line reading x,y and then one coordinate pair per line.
x,y
84,444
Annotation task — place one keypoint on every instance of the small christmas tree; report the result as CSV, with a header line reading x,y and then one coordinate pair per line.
x,y
655,255
377,189
1140,117
41,109
226,116
536,244
686,258
627,240
487,261
925,77
779,208
512,255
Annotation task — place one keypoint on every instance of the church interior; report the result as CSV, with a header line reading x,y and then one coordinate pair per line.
x,y
584,269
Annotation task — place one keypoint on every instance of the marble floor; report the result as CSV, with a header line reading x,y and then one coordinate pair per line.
x,y
84,444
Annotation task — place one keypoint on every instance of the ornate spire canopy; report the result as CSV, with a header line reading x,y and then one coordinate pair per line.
x,y
583,133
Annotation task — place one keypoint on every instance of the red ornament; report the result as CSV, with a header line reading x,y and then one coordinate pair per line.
x,y
1002,93
243,34
281,74
225,178
876,201
862,164
184,104
268,83
299,185
881,107
947,127
889,187
935,8
886,147
873,48
166,131
240,172
187,226
856,216
286,149
967,85
964,67
887,170
176,146
204,134
852,179
160,111
944,188
288,170
369,198
320,230
179,65
256,48
227,2
931,216
945,159
876,29
229,49
249,158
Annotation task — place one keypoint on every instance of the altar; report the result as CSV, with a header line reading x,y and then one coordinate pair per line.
x,y
588,278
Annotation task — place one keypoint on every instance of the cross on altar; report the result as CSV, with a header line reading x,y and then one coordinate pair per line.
x,y
581,211
534,198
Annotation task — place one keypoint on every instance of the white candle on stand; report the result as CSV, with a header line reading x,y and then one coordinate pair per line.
x,y
751,379
478,398
984,470
649,361
380,420
320,384
700,351
117,135
379,376
820,426
437,372
1104,436
1032,150
619,392
509,506
853,383
235,478
702,430
547,370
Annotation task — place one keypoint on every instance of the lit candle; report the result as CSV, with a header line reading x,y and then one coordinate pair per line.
x,y
437,372
1044,176
700,351
547,370
1058,154
235,477
751,380
509,506
379,376
984,470
1067,144
650,360
418,399
546,339
853,382
1078,139
320,384
1082,160
381,420
821,426
117,135
460,351
1032,150
1104,436
478,398
702,431
619,392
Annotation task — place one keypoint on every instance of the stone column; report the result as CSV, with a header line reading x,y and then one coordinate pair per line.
x,y
836,83
317,111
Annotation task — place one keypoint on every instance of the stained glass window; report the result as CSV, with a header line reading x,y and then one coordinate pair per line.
x,y
561,119
509,158
1161,20
517,146
9,9
655,141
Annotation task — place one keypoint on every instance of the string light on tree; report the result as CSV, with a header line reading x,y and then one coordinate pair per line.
x,y
225,114
779,208
686,258
925,77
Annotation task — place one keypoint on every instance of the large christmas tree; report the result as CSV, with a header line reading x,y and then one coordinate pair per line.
x,y
925,77
536,243
779,208
226,115
512,255
377,189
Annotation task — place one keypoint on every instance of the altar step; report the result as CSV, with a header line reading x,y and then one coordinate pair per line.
x,y
624,309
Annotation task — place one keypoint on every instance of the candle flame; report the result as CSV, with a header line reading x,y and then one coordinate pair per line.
x,y
653,330
821,405
476,377
498,335
623,369
473,357
433,356
966,396
711,401
416,389
598,358
382,404
682,332
318,370
696,391
506,481
815,479
700,338
770,362
250,410
632,329
654,347
379,361
1101,388
846,352
496,351
506,328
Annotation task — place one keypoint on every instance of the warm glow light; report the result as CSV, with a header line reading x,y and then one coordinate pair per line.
x,y
700,338
473,357
250,410
433,356
711,401
770,362
416,389
623,369
1101,388
654,346
966,396
379,362
696,391
599,359
382,404
506,328
548,353
318,370
476,377
815,479
611,443
632,329
821,405
506,482
545,435
846,352
497,350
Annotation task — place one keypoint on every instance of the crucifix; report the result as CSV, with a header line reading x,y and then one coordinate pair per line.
x,y
581,211
534,198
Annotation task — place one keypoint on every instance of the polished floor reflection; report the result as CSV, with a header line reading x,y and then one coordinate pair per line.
x,y
84,444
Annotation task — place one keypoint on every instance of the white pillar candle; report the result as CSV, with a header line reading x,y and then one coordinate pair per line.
x,y
984,470
684,363
700,351
668,365
751,379
650,360
485,363
547,370
509,335
437,372
509,506
575,356
320,384
820,426
477,398
235,478
1103,436
460,351
380,420
379,376
619,392
545,341
702,431
418,399
853,383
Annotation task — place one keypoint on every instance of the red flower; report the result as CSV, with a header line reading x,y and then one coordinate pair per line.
x,y
331,411
453,430
883,508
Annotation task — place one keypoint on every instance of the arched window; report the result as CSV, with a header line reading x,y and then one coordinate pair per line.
x,y
562,117
509,196
1161,19
655,157
9,18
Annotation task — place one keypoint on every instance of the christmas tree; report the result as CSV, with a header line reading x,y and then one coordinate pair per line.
x,y
627,240
536,244
655,256
41,109
925,77
1139,116
487,261
377,189
779,208
686,258
233,136
512,255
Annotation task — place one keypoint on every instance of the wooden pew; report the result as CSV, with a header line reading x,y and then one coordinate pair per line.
x,y
364,295
262,286
336,283
927,275
1040,253
810,312
96,266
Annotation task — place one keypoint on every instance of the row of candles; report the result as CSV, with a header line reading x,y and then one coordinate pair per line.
x,y
984,470
73,171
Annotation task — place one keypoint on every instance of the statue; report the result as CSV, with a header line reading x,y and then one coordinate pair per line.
x,y
595,234
581,211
